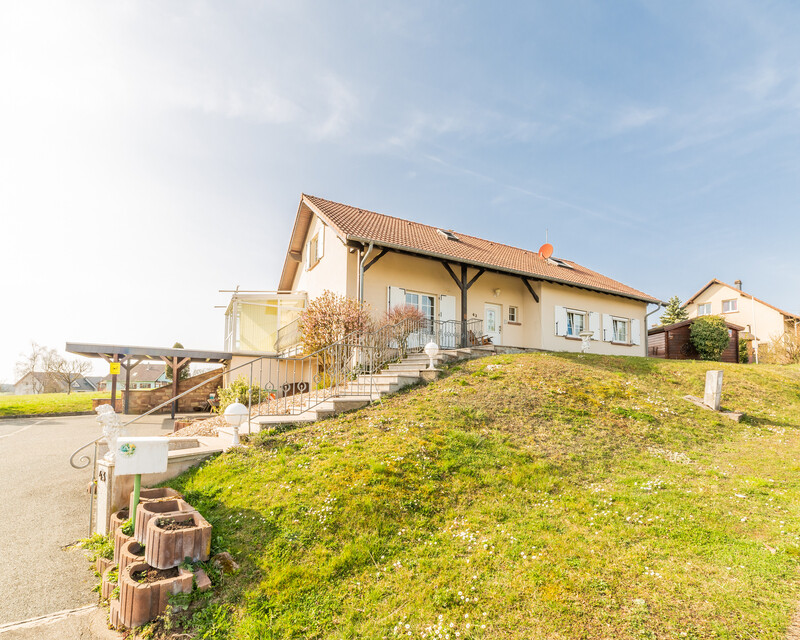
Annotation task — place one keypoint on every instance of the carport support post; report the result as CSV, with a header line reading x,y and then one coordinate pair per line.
x,y
137,487
114,385
174,387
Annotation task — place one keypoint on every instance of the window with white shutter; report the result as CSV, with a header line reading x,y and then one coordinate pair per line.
x,y
561,321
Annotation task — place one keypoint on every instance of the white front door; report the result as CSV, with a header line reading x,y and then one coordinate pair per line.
x,y
493,321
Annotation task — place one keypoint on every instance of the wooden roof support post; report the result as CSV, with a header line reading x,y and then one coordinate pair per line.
x,y
114,385
176,364
128,364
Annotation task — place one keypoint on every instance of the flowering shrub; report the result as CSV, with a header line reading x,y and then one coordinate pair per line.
x,y
405,318
329,318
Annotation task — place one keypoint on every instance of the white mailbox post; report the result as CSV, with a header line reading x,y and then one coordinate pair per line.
x,y
135,456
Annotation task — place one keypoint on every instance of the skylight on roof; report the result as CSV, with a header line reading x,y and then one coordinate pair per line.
x,y
560,263
447,233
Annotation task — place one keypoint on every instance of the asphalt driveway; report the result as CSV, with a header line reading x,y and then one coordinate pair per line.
x,y
43,510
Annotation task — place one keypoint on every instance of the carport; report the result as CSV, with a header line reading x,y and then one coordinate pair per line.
x,y
129,356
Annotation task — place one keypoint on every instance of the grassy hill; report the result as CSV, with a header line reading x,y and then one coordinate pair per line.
x,y
531,496
44,403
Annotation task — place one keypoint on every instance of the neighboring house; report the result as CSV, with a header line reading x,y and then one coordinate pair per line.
x,y
38,382
517,297
144,375
762,321
673,341
41,382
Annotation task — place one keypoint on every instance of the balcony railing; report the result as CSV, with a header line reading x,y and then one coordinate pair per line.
x,y
289,339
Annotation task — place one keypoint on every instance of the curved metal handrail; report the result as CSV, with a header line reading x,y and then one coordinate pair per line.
x,y
348,340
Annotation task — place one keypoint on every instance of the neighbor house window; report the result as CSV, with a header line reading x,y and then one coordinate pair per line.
x,y
730,306
704,309
576,321
512,314
620,326
422,302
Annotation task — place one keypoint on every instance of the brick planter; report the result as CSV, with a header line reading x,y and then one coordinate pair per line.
x,y
141,602
151,495
168,548
106,586
113,613
119,540
149,510
101,564
131,552
118,519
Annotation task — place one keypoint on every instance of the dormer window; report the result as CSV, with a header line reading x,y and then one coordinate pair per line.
x,y
447,233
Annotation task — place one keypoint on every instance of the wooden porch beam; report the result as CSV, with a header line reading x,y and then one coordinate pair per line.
x,y
452,275
530,288
375,259
477,275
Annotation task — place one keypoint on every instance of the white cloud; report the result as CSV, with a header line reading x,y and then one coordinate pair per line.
x,y
341,107
637,117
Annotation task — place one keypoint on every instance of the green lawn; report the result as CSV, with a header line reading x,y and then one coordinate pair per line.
x,y
48,403
521,497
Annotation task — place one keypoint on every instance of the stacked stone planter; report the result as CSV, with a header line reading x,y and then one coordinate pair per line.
x,y
107,585
166,548
118,519
146,511
119,541
131,552
141,602
182,533
154,495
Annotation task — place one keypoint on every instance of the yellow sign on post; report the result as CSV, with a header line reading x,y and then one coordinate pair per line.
x,y
114,368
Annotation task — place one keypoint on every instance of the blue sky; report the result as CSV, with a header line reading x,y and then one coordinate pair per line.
x,y
155,152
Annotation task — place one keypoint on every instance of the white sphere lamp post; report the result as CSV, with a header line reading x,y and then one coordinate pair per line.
x,y
431,350
235,414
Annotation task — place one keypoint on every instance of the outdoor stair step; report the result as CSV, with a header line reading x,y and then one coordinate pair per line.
x,y
400,367
422,358
393,377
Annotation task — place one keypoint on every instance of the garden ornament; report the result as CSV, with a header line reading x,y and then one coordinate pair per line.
x,y
112,428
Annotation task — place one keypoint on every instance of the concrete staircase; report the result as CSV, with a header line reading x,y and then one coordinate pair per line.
x,y
365,389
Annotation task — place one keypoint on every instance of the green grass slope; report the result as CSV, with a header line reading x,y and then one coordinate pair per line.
x,y
45,403
531,496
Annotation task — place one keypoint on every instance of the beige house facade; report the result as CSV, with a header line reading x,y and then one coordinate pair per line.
x,y
761,320
518,298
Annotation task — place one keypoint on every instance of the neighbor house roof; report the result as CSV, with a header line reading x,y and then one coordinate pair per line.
x,y
683,323
145,372
713,281
354,225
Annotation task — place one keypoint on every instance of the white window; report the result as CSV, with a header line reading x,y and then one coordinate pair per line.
x,y
704,309
315,248
421,301
620,329
576,321
730,306
512,314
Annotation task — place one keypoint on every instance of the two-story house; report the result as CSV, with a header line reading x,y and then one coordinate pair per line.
x,y
761,320
521,298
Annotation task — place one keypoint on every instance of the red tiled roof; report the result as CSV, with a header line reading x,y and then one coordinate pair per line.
x,y
369,226
788,314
